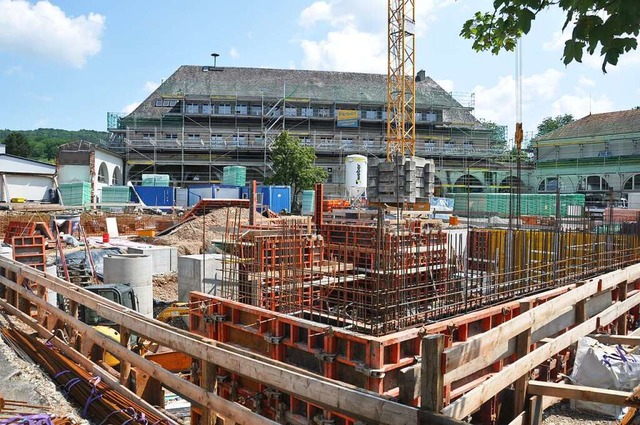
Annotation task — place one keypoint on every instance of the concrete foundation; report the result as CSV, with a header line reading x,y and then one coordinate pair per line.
x,y
164,258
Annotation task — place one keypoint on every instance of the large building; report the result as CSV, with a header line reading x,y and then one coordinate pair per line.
x,y
594,155
203,118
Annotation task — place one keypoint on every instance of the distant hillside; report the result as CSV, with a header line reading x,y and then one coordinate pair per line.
x,y
44,142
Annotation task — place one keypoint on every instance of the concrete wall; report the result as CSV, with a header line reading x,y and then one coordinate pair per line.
x,y
194,274
29,187
73,173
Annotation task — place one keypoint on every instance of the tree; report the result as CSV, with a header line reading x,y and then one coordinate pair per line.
x,y
293,165
549,124
17,144
612,25
498,137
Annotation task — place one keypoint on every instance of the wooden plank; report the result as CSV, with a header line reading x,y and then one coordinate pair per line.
x,y
566,319
431,375
180,386
84,362
471,401
523,346
579,392
481,351
617,339
332,395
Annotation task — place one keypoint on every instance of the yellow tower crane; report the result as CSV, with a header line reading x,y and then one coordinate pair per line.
x,y
401,83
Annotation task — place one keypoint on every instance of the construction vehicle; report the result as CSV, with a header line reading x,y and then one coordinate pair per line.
x,y
119,293
176,314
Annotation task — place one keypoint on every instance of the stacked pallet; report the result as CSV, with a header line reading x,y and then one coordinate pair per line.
x,y
407,180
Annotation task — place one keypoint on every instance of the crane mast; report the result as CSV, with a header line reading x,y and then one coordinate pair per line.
x,y
401,85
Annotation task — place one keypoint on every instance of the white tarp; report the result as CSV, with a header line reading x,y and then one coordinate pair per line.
x,y
607,367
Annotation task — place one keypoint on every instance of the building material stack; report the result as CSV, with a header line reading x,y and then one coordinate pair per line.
x,y
404,181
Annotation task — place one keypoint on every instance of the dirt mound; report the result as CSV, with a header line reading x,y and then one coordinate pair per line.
x,y
165,286
217,225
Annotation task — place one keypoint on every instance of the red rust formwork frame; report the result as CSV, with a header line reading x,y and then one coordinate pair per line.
x,y
381,364
373,363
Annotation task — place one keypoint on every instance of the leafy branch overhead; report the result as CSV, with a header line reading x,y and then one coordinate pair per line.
x,y
610,25
293,164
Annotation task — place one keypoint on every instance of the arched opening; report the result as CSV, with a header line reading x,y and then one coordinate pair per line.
x,y
510,183
103,173
593,184
468,184
550,184
632,183
116,178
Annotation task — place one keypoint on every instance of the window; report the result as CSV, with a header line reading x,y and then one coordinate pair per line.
x,y
256,110
291,111
224,109
103,173
468,146
633,183
429,145
166,102
430,116
217,138
550,184
117,176
147,136
171,136
192,108
593,183
241,109
305,140
193,136
324,112
306,112
159,102
371,114
171,103
207,109
238,138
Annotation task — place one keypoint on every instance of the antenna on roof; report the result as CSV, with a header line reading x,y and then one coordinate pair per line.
x,y
215,57
589,103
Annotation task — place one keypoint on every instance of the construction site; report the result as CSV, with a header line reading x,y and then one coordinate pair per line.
x,y
377,304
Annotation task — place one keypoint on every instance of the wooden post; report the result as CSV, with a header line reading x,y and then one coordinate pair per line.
x,y
622,320
125,366
523,346
208,382
581,308
432,378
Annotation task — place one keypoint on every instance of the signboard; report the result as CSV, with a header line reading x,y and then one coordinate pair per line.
x,y
347,118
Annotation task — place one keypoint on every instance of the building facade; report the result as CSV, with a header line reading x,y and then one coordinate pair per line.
x,y
87,162
22,178
203,118
598,155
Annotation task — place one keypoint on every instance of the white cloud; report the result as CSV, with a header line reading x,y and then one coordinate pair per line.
x,y
557,40
44,30
354,41
151,86
447,85
346,50
234,53
130,107
581,105
586,82
498,103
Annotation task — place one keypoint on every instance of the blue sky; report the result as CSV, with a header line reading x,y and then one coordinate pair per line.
x,y
66,63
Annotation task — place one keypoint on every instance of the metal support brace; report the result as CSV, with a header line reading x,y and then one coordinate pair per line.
x,y
325,357
371,373
273,339
215,318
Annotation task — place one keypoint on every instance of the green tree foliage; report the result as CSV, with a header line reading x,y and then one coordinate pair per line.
x,y
44,142
16,144
611,24
549,124
498,137
293,165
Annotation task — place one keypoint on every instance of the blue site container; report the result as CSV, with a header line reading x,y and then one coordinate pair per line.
x,y
155,196
276,198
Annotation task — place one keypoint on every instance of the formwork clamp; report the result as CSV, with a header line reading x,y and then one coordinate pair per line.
x,y
271,339
371,373
215,318
325,357
321,420
272,394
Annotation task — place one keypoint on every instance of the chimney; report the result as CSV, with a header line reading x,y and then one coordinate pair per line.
x,y
421,76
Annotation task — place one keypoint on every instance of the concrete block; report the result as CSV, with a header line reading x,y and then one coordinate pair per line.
x,y
205,274
164,258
